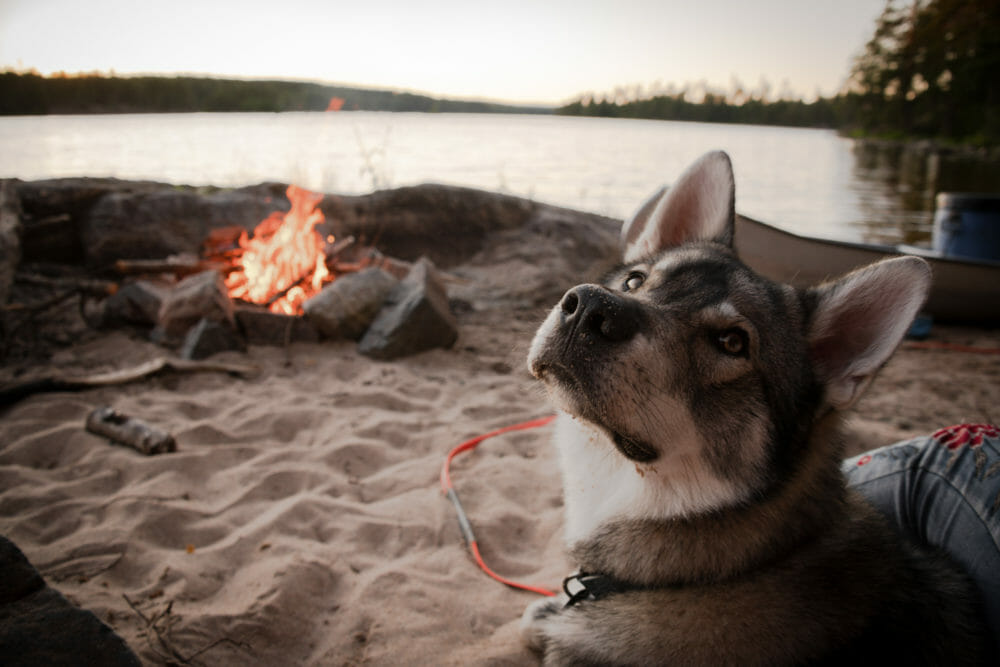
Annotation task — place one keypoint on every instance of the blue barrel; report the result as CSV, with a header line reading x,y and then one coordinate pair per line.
x,y
967,225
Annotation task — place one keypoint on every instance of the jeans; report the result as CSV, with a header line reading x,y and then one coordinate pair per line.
x,y
943,490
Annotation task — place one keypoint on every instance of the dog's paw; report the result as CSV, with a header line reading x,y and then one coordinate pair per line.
x,y
534,619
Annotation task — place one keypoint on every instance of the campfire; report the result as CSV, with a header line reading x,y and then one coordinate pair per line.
x,y
288,280
288,258
284,262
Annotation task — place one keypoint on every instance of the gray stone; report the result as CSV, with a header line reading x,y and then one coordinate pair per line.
x,y
10,237
136,303
347,306
202,295
415,318
207,338
262,327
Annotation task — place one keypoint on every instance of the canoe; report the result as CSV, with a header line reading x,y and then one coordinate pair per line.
x,y
964,291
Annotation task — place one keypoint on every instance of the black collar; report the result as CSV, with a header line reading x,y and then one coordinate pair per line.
x,y
594,587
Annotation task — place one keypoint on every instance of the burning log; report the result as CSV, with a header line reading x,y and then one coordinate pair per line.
x,y
178,265
129,431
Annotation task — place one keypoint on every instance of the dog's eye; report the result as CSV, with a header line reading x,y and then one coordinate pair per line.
x,y
733,342
634,281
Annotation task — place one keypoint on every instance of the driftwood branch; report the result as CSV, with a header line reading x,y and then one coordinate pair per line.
x,y
15,391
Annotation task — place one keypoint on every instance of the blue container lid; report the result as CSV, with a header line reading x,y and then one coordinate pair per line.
x,y
968,201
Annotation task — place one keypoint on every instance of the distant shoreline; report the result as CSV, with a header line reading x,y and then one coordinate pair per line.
x,y
24,94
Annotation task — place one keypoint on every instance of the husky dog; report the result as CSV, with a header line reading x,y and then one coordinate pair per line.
x,y
699,443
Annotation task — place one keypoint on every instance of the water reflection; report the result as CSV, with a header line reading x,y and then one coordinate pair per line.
x,y
895,185
811,182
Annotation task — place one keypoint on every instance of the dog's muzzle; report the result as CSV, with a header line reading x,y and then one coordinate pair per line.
x,y
598,315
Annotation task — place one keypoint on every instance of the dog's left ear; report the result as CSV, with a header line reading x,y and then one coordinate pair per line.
x,y
860,319
699,207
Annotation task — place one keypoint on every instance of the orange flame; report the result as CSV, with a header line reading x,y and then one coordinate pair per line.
x,y
284,263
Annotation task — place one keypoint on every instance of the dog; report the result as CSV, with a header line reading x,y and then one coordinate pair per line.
x,y
699,437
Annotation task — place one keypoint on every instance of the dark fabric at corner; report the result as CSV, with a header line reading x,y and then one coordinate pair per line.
x,y
38,626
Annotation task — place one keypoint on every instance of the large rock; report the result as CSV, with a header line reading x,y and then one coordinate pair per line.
x,y
136,225
447,224
10,237
202,295
346,307
38,626
415,318
54,211
136,303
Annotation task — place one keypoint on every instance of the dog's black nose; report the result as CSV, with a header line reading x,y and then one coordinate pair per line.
x,y
592,310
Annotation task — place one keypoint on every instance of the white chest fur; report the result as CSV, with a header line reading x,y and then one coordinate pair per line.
x,y
600,484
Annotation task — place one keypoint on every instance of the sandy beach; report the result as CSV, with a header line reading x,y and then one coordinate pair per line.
x,y
300,520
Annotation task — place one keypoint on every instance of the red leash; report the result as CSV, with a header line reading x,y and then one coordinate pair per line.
x,y
463,519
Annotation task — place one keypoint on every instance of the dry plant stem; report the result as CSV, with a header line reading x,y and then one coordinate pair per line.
x,y
167,651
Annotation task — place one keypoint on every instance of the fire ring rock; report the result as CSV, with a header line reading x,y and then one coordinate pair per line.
x,y
415,317
202,295
347,306
209,337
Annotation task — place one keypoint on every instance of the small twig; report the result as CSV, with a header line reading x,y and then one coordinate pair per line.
x,y
172,653
338,247
36,308
174,656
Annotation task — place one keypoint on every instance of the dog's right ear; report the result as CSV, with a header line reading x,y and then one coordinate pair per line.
x,y
699,207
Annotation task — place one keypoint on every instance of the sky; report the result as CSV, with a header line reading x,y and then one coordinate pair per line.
x,y
541,52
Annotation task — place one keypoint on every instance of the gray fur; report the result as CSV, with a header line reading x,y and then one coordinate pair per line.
x,y
724,391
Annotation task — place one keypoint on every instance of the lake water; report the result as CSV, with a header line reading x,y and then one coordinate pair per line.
x,y
805,180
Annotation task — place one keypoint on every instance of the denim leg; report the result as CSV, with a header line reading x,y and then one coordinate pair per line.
x,y
943,490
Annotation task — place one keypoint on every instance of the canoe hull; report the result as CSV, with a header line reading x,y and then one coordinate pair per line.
x,y
963,291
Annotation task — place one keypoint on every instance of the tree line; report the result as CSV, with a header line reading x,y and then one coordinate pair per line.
x,y
714,108
931,69
24,93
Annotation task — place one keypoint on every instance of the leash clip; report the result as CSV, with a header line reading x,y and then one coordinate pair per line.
x,y
588,587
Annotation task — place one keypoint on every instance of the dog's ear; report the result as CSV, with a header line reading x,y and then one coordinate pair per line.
x,y
860,319
699,207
